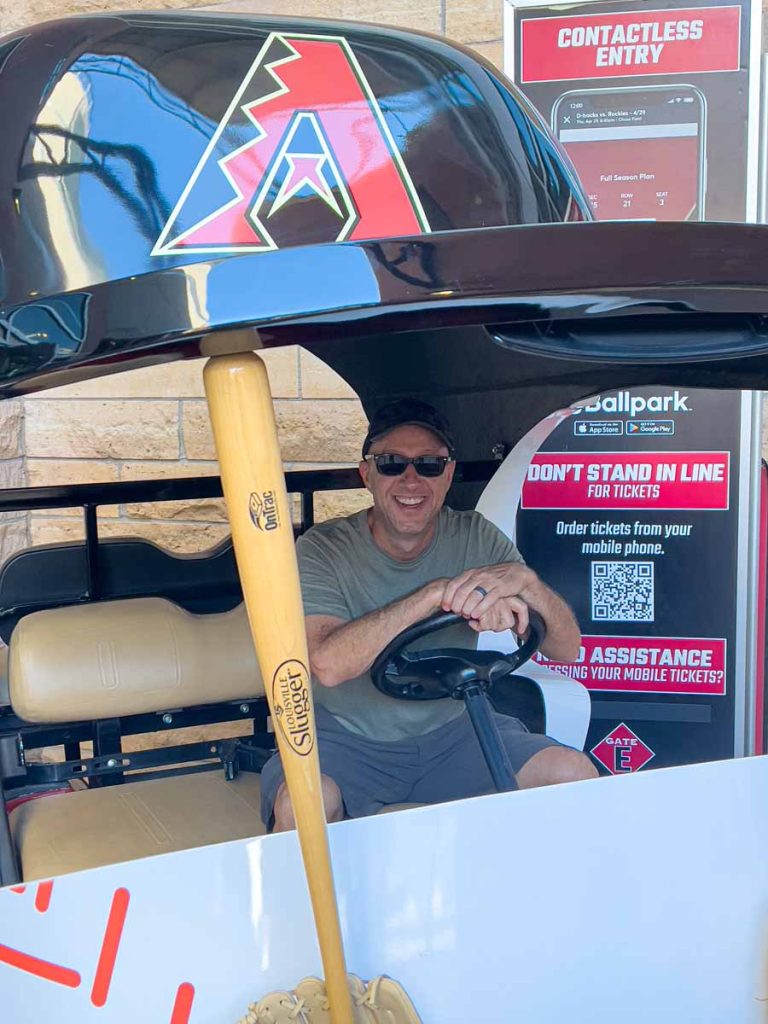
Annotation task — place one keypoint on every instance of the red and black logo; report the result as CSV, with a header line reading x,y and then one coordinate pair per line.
x,y
303,155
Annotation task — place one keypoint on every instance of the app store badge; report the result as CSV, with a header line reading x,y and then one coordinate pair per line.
x,y
598,428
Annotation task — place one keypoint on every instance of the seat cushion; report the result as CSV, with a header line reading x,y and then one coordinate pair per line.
x,y
114,658
89,828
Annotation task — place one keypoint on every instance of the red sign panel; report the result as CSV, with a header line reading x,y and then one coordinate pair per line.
x,y
622,751
633,664
690,41
627,480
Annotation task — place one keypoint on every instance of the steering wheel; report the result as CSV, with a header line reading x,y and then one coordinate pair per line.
x,y
446,671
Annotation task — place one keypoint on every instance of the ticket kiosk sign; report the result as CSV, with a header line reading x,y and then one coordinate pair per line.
x,y
637,509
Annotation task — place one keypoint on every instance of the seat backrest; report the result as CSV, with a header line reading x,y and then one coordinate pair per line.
x,y
55,575
116,658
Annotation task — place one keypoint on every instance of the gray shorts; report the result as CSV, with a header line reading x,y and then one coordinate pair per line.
x,y
444,764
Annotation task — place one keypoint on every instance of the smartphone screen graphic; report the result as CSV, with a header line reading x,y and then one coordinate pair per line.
x,y
639,152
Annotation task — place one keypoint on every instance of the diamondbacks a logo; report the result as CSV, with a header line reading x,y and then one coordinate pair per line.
x,y
303,155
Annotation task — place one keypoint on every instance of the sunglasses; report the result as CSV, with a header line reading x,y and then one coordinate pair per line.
x,y
396,465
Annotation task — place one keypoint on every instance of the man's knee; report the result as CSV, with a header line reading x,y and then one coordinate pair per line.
x,y
554,765
283,811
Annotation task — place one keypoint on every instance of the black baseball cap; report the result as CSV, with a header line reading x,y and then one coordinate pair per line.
x,y
411,411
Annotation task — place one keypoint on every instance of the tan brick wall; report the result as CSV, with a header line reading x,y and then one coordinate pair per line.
x,y
16,14
153,423
13,526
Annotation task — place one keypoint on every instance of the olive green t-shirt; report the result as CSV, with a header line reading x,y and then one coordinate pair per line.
x,y
345,574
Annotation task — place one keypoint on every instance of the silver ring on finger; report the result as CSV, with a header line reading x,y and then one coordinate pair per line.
x,y
481,590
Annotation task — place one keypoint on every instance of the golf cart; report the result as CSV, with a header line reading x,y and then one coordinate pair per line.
x,y
434,245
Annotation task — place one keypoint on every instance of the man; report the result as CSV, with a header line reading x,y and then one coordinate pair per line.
x,y
368,577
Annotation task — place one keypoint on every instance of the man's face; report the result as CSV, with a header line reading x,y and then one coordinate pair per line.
x,y
407,504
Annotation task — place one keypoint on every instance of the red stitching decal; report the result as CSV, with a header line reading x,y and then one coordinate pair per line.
x,y
43,896
112,935
183,1005
18,889
42,968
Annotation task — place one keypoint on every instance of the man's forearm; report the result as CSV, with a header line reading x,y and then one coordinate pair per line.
x,y
563,635
350,649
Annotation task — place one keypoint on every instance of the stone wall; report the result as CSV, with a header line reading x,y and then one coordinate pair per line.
x,y
153,423
13,526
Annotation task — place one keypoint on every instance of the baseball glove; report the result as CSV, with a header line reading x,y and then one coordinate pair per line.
x,y
381,1001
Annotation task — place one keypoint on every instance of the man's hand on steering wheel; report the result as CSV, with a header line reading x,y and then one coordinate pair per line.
x,y
491,597
506,613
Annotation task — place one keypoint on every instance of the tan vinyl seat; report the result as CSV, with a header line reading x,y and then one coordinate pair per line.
x,y
90,828
128,657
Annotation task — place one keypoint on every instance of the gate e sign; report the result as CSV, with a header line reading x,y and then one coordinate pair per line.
x,y
622,751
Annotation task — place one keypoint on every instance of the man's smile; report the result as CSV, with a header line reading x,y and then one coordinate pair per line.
x,y
409,502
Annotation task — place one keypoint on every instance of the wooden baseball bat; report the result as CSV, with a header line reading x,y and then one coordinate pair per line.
x,y
245,435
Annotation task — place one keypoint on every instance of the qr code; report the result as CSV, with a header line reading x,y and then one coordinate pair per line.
x,y
622,591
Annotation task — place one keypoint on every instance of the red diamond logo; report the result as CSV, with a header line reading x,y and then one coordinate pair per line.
x,y
622,751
